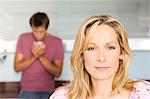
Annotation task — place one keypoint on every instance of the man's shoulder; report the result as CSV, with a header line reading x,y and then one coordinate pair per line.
x,y
26,34
55,38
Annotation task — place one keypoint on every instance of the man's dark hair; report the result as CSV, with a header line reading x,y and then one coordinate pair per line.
x,y
39,19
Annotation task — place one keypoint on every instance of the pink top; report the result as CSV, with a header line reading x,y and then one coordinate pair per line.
x,y
36,77
142,91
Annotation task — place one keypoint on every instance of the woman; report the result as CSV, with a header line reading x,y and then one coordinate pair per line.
x,y
100,61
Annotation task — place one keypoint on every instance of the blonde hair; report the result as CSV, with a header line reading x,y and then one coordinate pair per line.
x,y
81,86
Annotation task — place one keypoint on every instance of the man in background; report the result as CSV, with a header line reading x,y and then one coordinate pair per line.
x,y
39,56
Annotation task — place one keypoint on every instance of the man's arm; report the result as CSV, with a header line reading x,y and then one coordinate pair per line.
x,y
53,68
20,63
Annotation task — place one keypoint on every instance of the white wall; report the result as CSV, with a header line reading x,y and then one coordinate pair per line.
x,y
65,19
67,15
138,69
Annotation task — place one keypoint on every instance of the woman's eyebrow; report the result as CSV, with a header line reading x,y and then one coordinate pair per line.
x,y
112,42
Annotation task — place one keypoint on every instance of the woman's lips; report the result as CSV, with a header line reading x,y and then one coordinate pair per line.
x,y
102,68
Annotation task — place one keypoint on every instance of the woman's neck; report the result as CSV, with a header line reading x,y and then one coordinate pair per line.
x,y
102,88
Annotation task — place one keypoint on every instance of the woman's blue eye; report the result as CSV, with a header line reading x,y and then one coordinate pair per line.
x,y
111,48
90,48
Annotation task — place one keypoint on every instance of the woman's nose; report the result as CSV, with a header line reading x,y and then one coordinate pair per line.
x,y
101,56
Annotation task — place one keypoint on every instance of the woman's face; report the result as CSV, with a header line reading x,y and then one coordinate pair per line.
x,y
102,55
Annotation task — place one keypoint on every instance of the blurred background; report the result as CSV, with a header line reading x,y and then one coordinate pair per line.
x,y
65,19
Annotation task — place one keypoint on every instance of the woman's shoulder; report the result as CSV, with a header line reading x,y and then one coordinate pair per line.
x,y
141,90
59,93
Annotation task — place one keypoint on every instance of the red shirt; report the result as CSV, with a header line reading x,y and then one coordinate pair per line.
x,y
36,78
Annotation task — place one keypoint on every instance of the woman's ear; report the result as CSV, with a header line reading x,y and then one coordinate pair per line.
x,y
82,57
121,57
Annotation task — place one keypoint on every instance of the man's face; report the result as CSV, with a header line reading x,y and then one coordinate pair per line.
x,y
39,32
